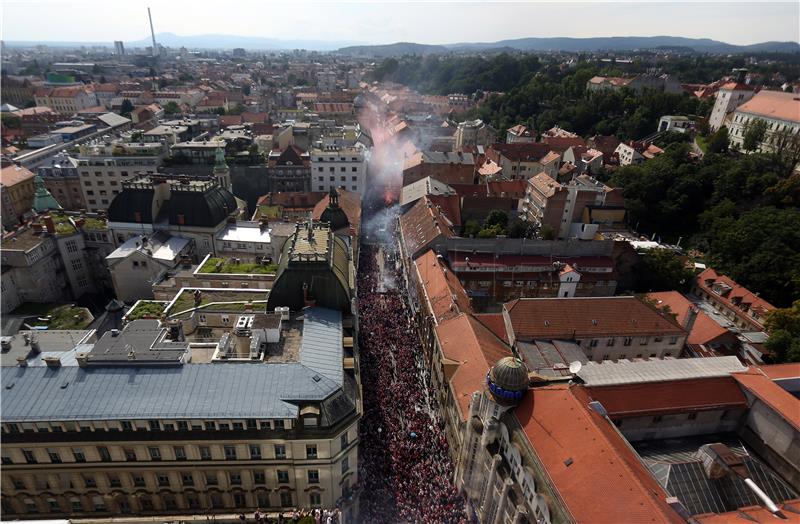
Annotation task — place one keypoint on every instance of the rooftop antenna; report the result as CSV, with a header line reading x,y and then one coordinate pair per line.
x,y
152,33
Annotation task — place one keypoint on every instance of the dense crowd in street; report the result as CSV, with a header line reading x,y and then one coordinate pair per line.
x,y
405,469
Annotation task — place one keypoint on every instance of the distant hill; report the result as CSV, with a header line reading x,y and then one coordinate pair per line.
x,y
398,49
233,41
620,43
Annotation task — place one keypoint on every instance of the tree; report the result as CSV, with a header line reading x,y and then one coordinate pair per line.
x,y
11,121
783,326
718,143
126,108
754,131
662,270
471,228
497,217
172,108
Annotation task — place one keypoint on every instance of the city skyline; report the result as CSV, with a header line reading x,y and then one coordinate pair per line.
x,y
389,22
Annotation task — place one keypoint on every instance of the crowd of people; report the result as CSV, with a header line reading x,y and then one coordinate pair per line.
x,y
406,474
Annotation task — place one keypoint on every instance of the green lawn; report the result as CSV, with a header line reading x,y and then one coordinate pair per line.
x,y
244,268
149,309
63,317
702,143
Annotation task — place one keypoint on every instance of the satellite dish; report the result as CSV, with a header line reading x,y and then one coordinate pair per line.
x,y
575,367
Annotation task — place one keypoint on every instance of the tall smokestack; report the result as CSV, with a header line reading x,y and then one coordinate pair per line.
x,y
152,33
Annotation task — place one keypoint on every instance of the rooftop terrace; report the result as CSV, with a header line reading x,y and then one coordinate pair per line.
x,y
230,266
217,300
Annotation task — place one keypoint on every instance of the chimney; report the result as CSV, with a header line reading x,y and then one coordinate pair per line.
x,y
49,224
52,362
691,316
22,362
82,358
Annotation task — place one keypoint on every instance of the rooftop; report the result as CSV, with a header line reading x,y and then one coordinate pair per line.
x,y
217,300
159,246
236,266
643,371
141,342
773,104
50,341
245,232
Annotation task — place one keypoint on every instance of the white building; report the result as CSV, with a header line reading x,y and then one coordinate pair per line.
x,y
474,133
729,97
781,112
339,167
104,166
326,81
678,124
142,260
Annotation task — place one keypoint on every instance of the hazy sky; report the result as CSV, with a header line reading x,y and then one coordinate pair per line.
x,y
386,22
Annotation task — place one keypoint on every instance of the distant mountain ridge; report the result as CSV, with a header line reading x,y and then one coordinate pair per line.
x,y
615,43
618,43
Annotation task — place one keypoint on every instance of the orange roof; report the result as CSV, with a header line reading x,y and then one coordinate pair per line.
x,y
746,299
704,329
495,323
736,86
674,396
473,349
760,385
13,174
773,104
569,318
593,469
445,295
782,371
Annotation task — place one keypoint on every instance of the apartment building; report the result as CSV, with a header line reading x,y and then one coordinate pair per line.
x,y
337,167
522,160
205,446
289,170
558,209
196,208
448,168
61,177
17,190
743,308
520,133
474,133
103,167
66,100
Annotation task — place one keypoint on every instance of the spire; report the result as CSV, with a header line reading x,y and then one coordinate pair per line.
x,y
334,198
42,199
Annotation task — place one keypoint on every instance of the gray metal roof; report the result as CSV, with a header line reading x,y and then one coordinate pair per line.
x,y
627,372
321,348
203,391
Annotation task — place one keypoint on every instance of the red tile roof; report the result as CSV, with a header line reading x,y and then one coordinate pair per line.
x,y
13,174
704,330
592,468
495,323
739,299
780,400
518,152
349,201
473,349
782,371
422,224
449,205
444,294
571,318
674,396
773,104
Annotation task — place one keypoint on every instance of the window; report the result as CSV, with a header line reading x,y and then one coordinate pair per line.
x,y
147,504
673,340
344,440
76,505
255,451
692,416
259,478
53,505
345,465
230,452
187,479
610,342
643,341
236,479
657,419
315,498
627,341
78,454
211,479
210,425
130,455
18,484
183,425
593,343
313,476
180,453
105,456
169,427
89,481
29,458
354,170
163,479
7,460
283,477
279,424
286,499
311,451
205,453
280,451
238,425
113,481
155,453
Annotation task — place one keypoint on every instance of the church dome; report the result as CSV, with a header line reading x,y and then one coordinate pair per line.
x,y
508,379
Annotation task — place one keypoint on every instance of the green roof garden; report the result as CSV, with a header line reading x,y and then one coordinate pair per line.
x,y
95,223
269,212
219,300
223,265
146,309
55,316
